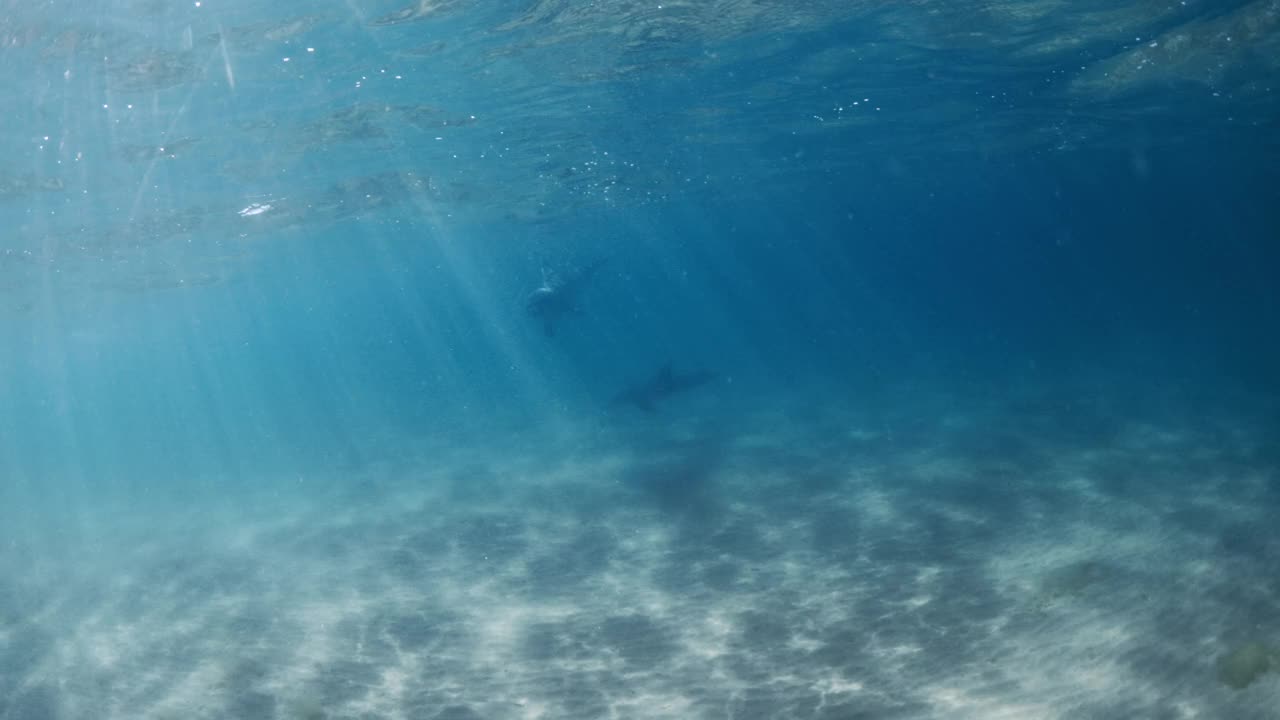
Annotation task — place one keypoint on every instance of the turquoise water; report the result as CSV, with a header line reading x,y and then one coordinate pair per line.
x,y
734,359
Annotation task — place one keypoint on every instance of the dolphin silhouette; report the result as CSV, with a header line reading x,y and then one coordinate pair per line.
x,y
558,296
663,384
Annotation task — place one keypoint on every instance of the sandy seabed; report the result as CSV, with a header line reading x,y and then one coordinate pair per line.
x,y
1046,555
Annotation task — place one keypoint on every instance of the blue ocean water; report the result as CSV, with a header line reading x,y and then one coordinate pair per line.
x,y
737,359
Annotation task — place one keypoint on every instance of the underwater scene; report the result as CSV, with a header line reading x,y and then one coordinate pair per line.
x,y
617,360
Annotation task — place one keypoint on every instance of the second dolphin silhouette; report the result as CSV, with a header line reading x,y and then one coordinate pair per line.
x,y
646,394
559,295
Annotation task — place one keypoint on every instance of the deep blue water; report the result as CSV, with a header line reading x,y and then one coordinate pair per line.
x,y
980,301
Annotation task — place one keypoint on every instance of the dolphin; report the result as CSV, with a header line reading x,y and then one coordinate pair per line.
x,y
558,296
664,383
